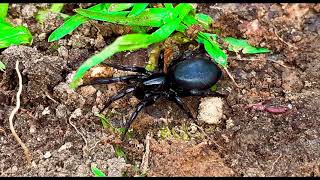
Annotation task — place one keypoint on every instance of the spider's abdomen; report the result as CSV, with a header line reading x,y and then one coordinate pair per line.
x,y
194,74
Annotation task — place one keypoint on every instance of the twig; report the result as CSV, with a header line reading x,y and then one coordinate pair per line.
x,y
200,128
288,44
13,112
84,139
274,163
231,77
258,59
145,158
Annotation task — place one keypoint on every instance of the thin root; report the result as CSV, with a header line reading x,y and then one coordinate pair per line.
x,y
13,112
84,139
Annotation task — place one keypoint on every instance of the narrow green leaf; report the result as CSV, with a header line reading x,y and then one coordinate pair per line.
x,y
10,35
56,7
165,31
204,20
2,66
3,10
168,5
73,22
183,9
119,152
237,45
154,17
97,172
116,7
137,9
212,48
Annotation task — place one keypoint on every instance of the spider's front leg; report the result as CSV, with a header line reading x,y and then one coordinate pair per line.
x,y
127,68
113,80
146,102
117,96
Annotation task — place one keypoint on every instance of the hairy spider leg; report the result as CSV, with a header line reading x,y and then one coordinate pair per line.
x,y
127,68
117,96
146,102
113,80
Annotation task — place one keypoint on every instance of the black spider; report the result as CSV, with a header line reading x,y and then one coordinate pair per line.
x,y
186,77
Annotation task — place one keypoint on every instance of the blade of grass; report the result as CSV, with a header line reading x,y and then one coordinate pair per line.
x,y
56,7
204,20
97,172
2,66
74,22
137,9
3,10
14,35
237,45
212,48
154,17
168,5
116,7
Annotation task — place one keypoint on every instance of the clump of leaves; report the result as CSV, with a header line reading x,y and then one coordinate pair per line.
x,y
166,20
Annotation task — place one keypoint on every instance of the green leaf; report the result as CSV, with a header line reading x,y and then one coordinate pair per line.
x,y
204,20
56,7
2,66
116,7
137,9
237,45
97,172
212,48
168,5
153,17
73,22
3,10
10,35
119,152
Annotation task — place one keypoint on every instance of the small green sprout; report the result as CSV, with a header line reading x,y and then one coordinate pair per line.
x,y
2,66
97,172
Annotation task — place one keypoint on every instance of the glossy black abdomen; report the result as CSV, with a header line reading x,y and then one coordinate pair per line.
x,y
194,74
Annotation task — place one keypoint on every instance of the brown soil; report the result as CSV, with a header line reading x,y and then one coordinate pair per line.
x,y
246,142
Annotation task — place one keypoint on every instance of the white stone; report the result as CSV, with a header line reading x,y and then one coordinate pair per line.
x,y
210,110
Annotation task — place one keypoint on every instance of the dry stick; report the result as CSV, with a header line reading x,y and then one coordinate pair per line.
x,y
14,111
231,77
145,158
258,59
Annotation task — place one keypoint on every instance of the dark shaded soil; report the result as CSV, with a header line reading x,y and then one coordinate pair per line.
x,y
246,142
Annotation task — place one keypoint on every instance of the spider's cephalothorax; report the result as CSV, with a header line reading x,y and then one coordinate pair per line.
x,y
185,77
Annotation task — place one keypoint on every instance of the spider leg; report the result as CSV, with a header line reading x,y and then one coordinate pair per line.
x,y
146,102
173,96
113,80
117,96
204,93
127,68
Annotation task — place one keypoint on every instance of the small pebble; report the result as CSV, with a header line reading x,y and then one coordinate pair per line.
x,y
47,155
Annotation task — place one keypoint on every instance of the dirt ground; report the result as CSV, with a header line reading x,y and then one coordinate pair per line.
x,y
65,138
